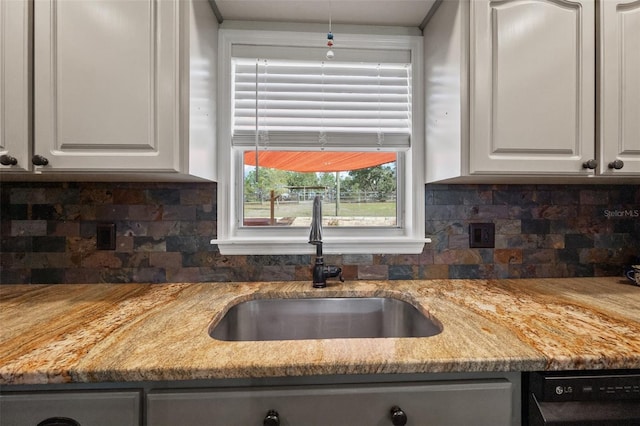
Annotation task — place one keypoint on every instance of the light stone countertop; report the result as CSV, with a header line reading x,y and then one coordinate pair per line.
x,y
147,332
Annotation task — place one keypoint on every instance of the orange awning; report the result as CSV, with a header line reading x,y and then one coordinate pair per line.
x,y
318,161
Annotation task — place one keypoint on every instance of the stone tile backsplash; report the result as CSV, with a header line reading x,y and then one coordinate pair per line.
x,y
48,235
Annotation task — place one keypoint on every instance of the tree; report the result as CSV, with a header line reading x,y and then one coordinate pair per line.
x,y
328,180
380,179
301,179
268,180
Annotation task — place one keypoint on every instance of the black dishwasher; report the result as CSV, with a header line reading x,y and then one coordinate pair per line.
x,y
585,398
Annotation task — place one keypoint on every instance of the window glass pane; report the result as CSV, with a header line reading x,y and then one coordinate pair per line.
x,y
357,188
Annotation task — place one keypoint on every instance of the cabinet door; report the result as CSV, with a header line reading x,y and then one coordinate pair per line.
x,y
90,408
15,84
619,137
106,85
532,86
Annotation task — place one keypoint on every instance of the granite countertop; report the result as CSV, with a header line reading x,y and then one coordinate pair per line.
x,y
136,332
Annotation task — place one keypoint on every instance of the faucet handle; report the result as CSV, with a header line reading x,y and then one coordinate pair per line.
x,y
333,271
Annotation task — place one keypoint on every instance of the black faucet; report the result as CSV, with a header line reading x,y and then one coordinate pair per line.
x,y
320,271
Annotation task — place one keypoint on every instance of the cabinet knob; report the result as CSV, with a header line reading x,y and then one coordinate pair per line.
x,y
591,164
398,417
272,419
39,160
7,160
617,164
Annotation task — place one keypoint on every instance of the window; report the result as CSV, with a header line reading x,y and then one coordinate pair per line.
x,y
293,125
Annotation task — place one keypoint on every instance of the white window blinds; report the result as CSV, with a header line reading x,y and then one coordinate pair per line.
x,y
321,104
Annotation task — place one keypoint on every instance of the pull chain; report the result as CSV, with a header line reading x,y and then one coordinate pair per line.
x,y
330,53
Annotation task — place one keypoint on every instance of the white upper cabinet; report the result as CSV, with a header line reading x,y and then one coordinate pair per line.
x,y
619,136
532,86
124,86
105,91
511,89
15,85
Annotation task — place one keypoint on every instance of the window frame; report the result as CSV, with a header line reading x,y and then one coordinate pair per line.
x,y
233,238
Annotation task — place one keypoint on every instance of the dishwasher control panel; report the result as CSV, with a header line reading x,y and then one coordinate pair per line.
x,y
569,398
577,386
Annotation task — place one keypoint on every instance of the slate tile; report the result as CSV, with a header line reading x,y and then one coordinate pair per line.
x,y
138,259
63,229
508,226
578,241
357,259
129,196
594,196
46,211
507,256
535,226
136,228
149,275
373,272
206,212
159,229
489,212
15,276
431,272
47,276
277,273
163,196
197,196
149,244
28,228
173,212
52,244
537,256
464,271
111,212
15,260
579,270
44,260
101,259
14,212
459,257
555,241
402,272
149,212
96,196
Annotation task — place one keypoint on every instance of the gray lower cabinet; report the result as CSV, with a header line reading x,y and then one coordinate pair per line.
x,y
86,408
473,402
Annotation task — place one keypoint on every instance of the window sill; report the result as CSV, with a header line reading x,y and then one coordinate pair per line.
x,y
284,246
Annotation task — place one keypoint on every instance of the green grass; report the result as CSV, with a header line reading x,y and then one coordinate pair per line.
x,y
303,209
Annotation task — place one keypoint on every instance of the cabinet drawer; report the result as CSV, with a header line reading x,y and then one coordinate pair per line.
x,y
479,402
91,408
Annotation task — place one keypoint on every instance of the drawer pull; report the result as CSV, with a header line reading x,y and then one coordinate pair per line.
x,y
398,417
272,419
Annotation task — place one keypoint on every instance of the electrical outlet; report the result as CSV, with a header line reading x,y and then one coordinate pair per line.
x,y
106,236
482,235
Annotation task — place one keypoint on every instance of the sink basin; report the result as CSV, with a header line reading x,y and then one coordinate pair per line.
x,y
323,318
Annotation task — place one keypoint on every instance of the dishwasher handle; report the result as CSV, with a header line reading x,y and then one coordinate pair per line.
x,y
58,421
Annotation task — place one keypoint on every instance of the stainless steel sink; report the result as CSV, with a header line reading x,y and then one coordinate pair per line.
x,y
323,318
